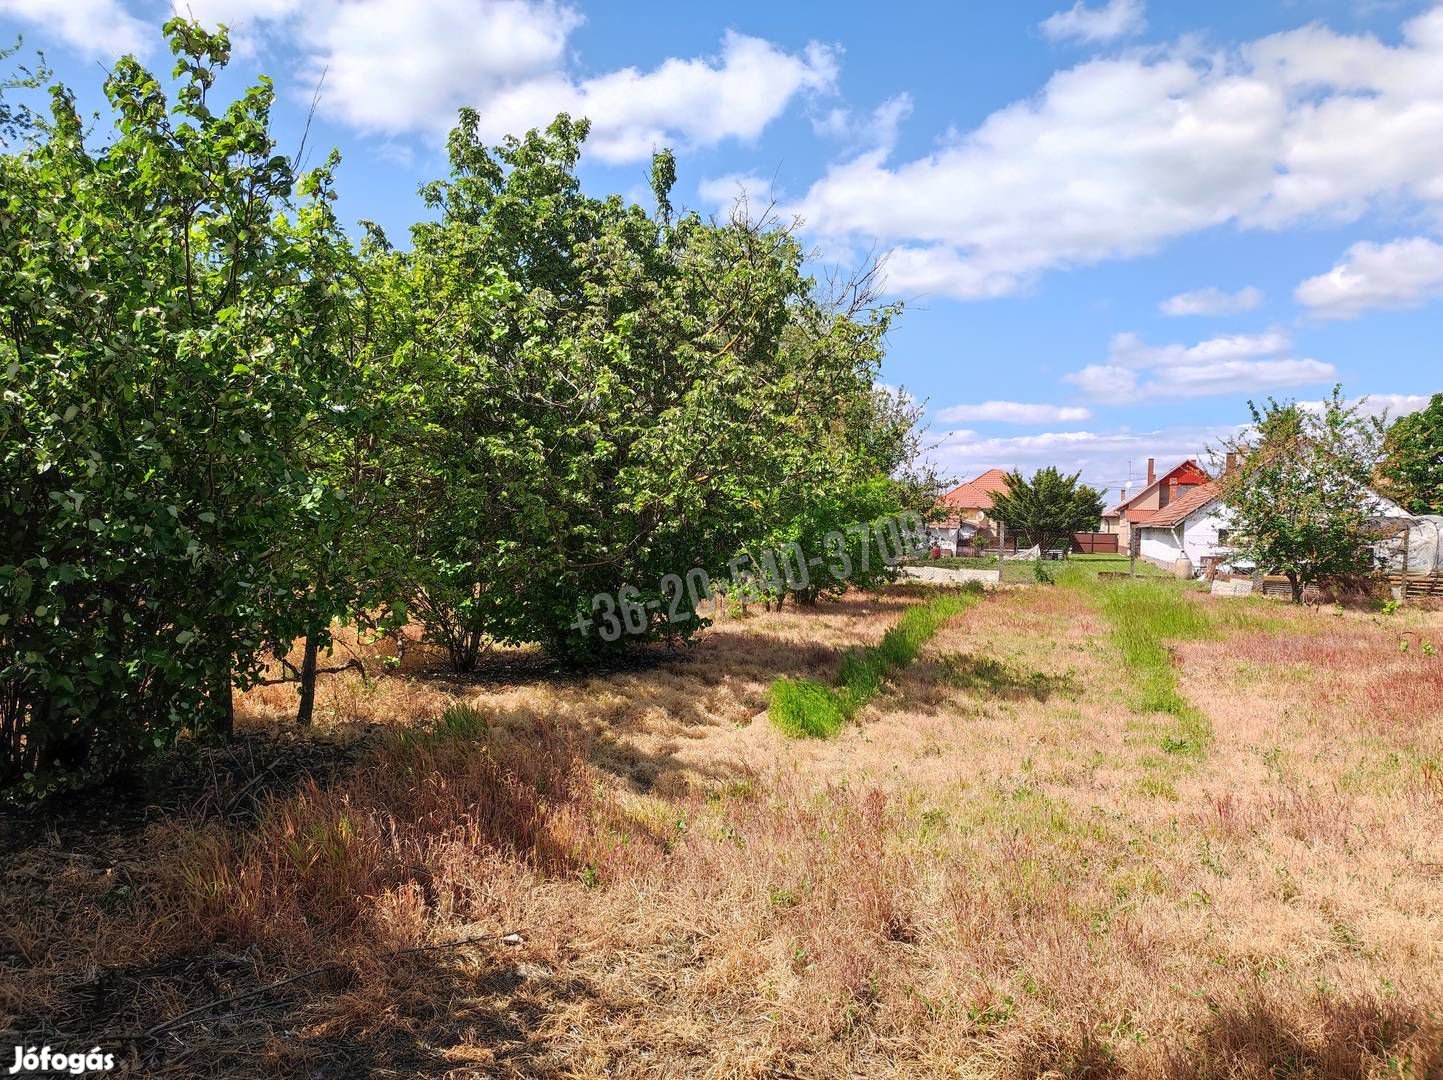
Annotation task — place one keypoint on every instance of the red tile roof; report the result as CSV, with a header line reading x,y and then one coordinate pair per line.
x,y
1188,472
1181,508
977,494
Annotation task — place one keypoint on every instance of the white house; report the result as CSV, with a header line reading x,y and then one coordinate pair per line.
x,y
1194,524
1197,525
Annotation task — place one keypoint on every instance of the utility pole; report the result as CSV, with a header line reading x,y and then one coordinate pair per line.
x,y
1000,529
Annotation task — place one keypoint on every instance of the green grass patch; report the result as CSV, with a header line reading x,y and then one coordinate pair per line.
x,y
804,708
807,708
1145,615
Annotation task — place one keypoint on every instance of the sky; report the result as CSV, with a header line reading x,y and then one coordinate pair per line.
x,y
1111,223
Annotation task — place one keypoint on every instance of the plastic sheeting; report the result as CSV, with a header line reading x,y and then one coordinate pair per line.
x,y
1424,537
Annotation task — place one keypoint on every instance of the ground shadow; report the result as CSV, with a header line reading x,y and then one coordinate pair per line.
x,y
990,677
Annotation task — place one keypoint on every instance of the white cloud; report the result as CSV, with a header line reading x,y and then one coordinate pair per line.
x,y
1402,274
95,27
396,67
1243,363
1115,19
1116,157
870,130
1106,459
1392,405
1014,412
1212,301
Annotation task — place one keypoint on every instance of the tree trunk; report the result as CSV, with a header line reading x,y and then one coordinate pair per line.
x,y
464,659
307,706
225,705
1297,586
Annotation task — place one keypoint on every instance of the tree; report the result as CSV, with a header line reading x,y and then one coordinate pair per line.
x,y
1300,495
1412,469
164,393
1047,509
601,397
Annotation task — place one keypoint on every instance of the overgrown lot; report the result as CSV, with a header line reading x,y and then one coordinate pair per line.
x,y
1101,828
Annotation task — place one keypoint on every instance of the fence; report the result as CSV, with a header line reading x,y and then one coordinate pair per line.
x,y
1379,586
1095,543
1416,586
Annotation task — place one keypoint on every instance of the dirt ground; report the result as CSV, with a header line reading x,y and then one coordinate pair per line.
x,y
1003,869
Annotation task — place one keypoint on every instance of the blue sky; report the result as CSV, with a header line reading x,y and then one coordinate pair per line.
x,y
1112,222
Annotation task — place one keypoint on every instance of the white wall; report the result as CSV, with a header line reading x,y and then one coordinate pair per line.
x,y
1199,537
1160,545
1200,532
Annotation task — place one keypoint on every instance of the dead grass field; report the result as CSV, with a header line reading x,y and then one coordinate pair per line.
x,y
1003,869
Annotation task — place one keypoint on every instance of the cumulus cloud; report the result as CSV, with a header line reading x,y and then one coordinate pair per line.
x,y
1212,301
866,130
1390,405
94,27
1115,19
395,67
1402,274
1014,412
1106,459
1118,156
1242,363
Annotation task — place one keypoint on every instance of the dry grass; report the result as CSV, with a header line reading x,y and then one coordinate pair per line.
x,y
996,871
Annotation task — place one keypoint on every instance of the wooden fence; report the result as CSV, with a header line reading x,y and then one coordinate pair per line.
x,y
1417,586
1095,543
1408,586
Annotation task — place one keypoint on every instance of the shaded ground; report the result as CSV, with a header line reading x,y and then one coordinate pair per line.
x,y
1001,870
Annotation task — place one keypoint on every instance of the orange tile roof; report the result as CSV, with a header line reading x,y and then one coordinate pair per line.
x,y
1198,496
1187,468
976,494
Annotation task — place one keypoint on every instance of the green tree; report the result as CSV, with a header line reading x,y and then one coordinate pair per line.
x,y
162,395
1047,509
1300,496
601,397
850,486
1412,469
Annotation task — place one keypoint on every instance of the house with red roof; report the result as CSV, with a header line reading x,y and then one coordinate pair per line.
x,y
1193,526
965,508
1174,514
1158,492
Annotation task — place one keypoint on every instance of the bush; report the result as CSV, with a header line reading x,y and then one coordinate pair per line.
x,y
155,489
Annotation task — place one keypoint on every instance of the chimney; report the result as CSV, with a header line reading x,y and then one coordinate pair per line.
x,y
1232,463
1171,490
1151,470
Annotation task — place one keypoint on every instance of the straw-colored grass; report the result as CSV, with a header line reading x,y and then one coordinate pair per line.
x,y
805,707
999,872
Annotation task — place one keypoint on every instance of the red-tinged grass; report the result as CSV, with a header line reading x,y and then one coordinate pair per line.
x,y
400,846
999,875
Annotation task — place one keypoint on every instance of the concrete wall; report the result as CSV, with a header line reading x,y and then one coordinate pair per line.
x,y
946,575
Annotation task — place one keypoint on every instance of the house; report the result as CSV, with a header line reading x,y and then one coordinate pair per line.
x,y
1197,525
966,507
1158,492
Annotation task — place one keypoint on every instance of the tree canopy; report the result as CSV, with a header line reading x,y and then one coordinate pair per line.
x,y
1412,468
1301,495
224,426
